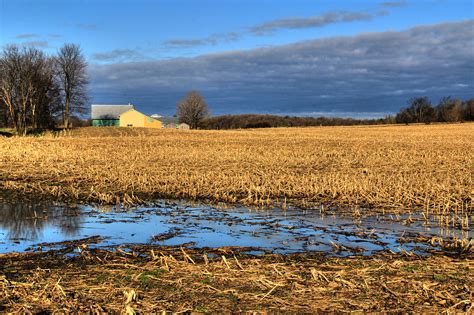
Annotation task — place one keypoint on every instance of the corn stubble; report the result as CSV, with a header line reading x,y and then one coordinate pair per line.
x,y
425,169
187,280
402,168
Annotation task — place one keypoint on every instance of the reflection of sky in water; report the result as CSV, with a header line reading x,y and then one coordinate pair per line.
x,y
25,225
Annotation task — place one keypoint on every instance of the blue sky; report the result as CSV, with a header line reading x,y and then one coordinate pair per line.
x,y
258,56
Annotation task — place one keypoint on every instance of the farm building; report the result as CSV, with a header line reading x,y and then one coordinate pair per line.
x,y
169,122
108,115
121,116
183,126
133,118
172,125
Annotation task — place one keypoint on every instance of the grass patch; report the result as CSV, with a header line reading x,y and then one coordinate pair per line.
x,y
149,276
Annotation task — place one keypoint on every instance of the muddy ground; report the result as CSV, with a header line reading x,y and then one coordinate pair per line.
x,y
180,279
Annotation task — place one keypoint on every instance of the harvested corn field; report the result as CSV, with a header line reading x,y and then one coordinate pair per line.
x,y
306,159
153,279
362,219
399,168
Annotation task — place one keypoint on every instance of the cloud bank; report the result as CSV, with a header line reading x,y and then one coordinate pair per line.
x,y
312,22
211,40
117,54
271,27
370,73
38,43
25,36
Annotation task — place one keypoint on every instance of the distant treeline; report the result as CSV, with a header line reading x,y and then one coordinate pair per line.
x,y
267,121
420,110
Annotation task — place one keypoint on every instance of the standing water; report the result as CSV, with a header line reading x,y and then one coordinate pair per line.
x,y
41,225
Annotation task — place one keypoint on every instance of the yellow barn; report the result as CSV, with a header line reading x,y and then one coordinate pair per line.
x,y
134,118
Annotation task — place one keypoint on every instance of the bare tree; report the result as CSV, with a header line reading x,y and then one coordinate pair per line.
x,y
19,70
27,89
468,110
449,109
14,86
71,71
47,98
192,109
4,121
419,111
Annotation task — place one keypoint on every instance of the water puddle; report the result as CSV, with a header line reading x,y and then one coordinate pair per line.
x,y
41,225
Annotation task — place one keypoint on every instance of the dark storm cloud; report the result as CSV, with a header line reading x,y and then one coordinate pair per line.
x,y
372,72
311,22
117,54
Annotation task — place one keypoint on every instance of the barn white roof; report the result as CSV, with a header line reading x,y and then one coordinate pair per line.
x,y
104,111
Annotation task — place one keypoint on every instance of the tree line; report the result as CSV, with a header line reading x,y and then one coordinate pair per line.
x,y
38,91
267,121
193,110
421,110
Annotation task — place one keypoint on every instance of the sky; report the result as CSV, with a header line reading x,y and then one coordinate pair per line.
x,y
346,58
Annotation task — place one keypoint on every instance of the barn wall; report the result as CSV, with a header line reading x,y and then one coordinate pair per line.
x,y
152,123
105,122
132,118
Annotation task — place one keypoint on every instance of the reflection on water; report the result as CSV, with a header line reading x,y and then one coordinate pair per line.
x,y
25,225
28,220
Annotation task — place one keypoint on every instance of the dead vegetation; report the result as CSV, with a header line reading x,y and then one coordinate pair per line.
x,y
150,279
404,168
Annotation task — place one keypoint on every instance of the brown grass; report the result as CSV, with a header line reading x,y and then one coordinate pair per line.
x,y
388,167
172,279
